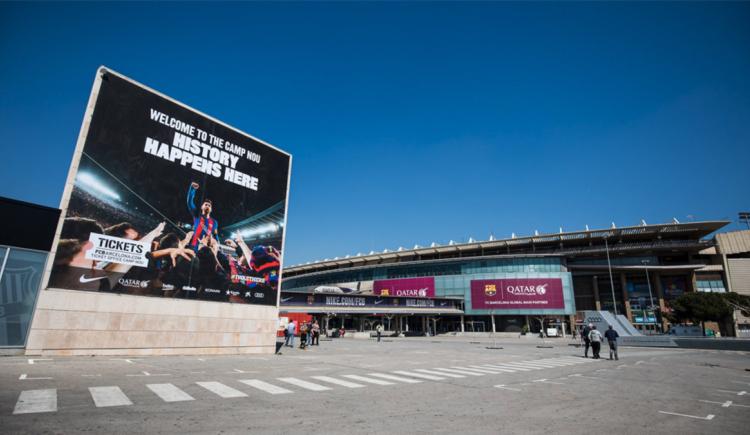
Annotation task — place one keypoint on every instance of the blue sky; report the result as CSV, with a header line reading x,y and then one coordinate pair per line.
x,y
418,122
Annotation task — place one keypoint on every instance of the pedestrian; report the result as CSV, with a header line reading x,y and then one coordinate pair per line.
x,y
303,330
586,340
379,330
611,336
316,333
596,341
291,329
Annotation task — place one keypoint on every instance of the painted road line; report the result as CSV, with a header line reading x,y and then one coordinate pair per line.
x,y
463,372
25,377
33,401
550,362
304,384
419,375
485,371
433,372
539,364
503,387
534,364
547,381
708,417
369,380
109,396
34,360
494,369
169,393
343,383
500,369
265,386
394,378
508,366
523,366
222,390
739,393
726,404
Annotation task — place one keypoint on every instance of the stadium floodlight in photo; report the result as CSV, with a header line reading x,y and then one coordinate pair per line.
x,y
94,185
257,231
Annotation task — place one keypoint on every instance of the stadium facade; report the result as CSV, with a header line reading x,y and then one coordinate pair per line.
x,y
503,285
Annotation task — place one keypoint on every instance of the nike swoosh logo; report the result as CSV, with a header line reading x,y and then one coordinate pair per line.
x,y
378,302
84,280
286,299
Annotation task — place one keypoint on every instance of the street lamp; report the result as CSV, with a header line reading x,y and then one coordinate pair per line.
x,y
611,281
650,295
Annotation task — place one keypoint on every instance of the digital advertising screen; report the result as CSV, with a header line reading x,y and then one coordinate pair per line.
x,y
165,201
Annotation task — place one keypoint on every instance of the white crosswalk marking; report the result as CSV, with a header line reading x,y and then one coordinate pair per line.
x,y
433,372
32,401
485,371
109,396
222,390
463,372
494,368
553,362
169,393
535,364
265,386
508,366
370,380
304,384
341,382
526,366
419,375
395,378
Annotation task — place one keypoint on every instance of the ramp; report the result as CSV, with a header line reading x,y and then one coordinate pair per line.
x,y
603,319
628,326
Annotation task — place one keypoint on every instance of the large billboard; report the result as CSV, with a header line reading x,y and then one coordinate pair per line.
x,y
166,201
517,294
423,287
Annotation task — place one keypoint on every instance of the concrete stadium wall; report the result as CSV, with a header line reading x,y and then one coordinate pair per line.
x,y
69,322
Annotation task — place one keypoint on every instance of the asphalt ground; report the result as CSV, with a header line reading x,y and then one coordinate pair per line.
x,y
415,385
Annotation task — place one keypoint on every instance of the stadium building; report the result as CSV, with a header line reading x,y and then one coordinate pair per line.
x,y
504,285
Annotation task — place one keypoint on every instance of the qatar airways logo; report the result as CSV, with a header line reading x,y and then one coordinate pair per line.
x,y
414,292
527,290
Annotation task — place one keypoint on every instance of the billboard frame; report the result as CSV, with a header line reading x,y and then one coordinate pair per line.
x,y
101,75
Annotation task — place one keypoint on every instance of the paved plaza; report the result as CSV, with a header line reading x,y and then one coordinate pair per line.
x,y
413,385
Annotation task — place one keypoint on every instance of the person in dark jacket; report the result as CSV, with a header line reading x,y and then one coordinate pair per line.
x,y
611,336
586,340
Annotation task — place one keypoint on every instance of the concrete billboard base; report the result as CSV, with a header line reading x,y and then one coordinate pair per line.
x,y
68,322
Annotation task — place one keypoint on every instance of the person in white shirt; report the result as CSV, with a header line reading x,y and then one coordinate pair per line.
x,y
291,329
596,341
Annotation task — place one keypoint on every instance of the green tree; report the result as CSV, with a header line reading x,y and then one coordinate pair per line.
x,y
699,307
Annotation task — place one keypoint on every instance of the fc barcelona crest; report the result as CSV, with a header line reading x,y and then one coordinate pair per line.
x,y
490,290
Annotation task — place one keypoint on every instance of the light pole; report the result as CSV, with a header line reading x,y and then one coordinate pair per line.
x,y
611,281
650,295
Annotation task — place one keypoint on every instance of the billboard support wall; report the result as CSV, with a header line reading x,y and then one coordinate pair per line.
x,y
171,235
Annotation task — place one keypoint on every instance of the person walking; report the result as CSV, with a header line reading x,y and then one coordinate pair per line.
x,y
596,341
291,329
316,334
586,340
379,330
303,332
611,336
